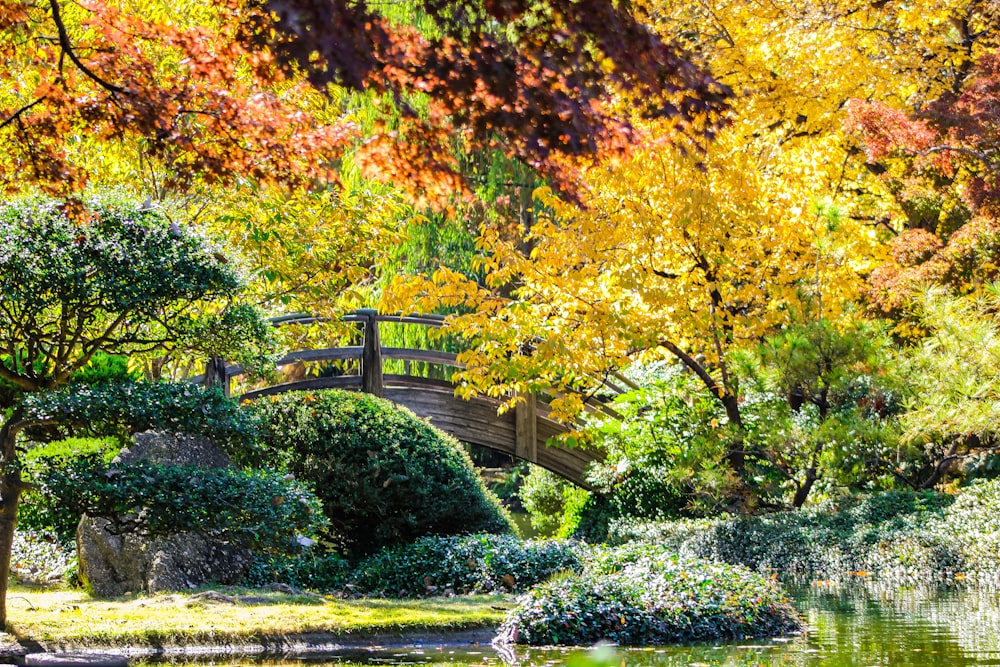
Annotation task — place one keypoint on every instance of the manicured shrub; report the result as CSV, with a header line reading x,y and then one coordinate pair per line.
x,y
384,476
467,564
645,595
37,515
122,409
261,510
105,367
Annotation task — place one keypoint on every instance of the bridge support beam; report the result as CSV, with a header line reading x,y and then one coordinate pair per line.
x,y
371,356
526,428
215,375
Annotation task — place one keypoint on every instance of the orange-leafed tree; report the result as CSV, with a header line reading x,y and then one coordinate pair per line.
x,y
941,173
241,87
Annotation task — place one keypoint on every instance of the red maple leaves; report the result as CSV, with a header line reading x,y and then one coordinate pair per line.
x,y
216,101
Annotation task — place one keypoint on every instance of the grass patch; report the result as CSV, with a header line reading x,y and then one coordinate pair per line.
x,y
230,616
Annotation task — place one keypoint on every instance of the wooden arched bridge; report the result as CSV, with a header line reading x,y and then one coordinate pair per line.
x,y
523,432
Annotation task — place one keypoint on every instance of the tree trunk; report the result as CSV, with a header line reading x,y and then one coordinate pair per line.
x,y
11,487
215,374
10,496
802,492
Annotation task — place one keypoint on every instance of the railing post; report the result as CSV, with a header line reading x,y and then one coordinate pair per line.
x,y
526,428
371,355
215,375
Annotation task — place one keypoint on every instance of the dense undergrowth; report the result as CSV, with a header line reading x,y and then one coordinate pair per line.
x,y
898,535
429,566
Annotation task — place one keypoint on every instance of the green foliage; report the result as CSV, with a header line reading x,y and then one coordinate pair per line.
x,y
40,516
42,558
646,595
58,452
542,497
466,564
263,510
897,535
812,416
239,334
666,451
429,566
122,409
952,393
384,476
117,282
104,367
313,570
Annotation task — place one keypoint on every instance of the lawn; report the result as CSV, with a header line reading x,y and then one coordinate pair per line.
x,y
232,617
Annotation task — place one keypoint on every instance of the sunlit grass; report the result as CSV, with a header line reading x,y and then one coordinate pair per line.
x,y
73,617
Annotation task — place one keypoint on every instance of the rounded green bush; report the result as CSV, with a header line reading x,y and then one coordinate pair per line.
x,y
644,595
384,476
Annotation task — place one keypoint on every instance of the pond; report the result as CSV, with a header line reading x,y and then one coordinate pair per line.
x,y
855,626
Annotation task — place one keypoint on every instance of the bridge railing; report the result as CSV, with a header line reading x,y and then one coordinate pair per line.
x,y
370,355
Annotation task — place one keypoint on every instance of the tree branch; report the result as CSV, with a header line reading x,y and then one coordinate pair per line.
x,y
17,114
67,48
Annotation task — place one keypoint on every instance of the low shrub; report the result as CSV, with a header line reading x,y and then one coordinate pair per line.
x,y
384,476
429,566
898,535
467,564
645,595
314,570
40,557
262,510
123,409
37,515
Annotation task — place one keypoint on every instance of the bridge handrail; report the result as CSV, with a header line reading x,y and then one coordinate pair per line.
x,y
370,354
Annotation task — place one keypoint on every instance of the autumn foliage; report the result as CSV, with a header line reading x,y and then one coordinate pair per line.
x,y
243,87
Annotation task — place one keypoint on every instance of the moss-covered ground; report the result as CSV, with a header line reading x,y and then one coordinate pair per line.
x,y
230,617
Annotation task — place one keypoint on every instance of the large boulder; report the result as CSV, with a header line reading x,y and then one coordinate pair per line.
x,y
174,449
113,563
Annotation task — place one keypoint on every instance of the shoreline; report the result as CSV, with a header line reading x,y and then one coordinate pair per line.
x,y
308,643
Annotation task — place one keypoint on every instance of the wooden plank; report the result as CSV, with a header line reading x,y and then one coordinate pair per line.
x,y
425,320
419,383
429,356
351,382
526,428
371,356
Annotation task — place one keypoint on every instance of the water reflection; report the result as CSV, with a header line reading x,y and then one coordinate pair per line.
x,y
861,625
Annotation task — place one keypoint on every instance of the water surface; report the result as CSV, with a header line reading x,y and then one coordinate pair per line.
x,y
861,625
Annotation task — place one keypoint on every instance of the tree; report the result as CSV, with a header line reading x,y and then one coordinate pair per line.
x,y
125,281
698,255
263,88
952,402
941,174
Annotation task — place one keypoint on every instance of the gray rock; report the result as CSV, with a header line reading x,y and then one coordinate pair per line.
x,y
79,658
174,449
113,564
